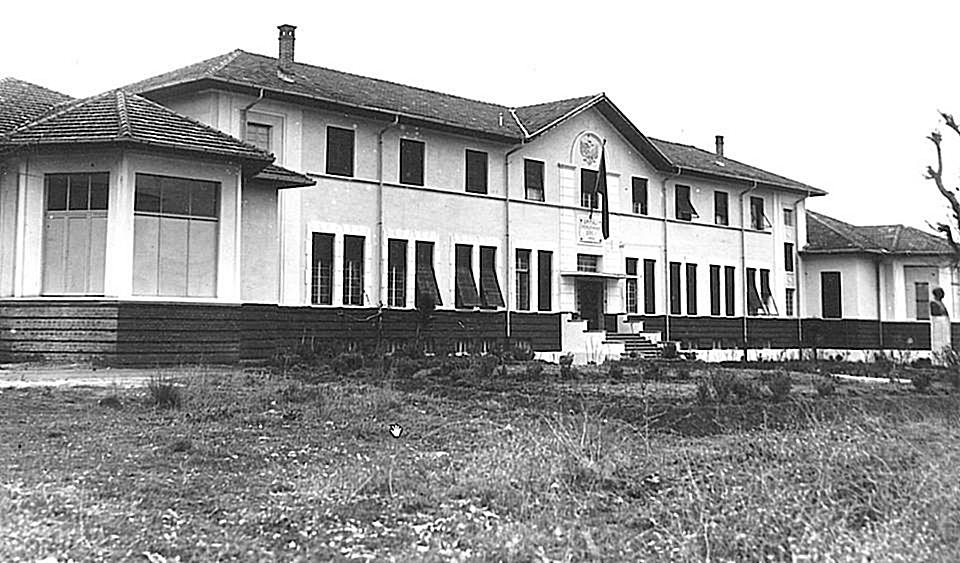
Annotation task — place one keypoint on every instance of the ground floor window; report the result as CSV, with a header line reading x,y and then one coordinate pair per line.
x,y
788,302
465,291
754,302
649,289
175,236
321,269
425,283
523,279
75,233
632,285
730,287
544,280
396,273
715,290
691,289
675,288
490,295
352,270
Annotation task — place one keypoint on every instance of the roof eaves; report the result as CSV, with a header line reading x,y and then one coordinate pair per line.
x,y
799,187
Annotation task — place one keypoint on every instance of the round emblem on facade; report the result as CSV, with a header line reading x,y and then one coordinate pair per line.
x,y
589,148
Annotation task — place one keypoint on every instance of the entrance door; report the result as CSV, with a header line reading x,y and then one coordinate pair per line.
x,y
590,303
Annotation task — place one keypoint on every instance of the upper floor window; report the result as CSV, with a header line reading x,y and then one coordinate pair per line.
x,y
639,195
340,144
684,207
533,179
258,135
788,217
588,188
476,177
788,256
721,212
588,263
757,219
411,162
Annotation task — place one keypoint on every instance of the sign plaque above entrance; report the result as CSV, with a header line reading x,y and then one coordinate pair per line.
x,y
589,230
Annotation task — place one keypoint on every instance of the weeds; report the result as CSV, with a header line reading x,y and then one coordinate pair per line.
x,y
921,380
779,384
826,385
163,393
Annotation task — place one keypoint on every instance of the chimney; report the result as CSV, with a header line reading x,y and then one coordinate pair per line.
x,y
286,44
719,145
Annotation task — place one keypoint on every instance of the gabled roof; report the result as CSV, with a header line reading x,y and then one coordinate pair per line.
x,y
247,72
22,102
826,235
120,117
692,159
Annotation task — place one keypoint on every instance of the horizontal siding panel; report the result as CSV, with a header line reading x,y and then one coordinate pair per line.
x,y
906,335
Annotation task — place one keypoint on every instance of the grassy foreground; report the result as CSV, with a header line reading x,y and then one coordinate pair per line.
x,y
261,467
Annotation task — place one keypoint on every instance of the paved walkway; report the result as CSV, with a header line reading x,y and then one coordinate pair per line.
x,y
73,375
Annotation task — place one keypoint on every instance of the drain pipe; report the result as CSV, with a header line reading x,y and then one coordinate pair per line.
x,y
666,259
243,115
798,274
743,263
379,242
506,235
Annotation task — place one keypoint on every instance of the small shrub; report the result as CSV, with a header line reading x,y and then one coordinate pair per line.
x,y
347,362
650,370
566,365
921,380
181,445
723,384
704,392
534,370
779,385
164,394
404,366
485,366
615,371
522,351
826,385
745,390
953,377
111,401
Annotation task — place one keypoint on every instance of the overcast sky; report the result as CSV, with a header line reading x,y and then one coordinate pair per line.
x,y
838,95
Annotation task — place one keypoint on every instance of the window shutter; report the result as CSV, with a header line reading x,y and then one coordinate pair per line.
x,y
466,285
489,285
426,277
754,303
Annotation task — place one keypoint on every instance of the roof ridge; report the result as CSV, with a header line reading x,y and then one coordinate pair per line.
x,y
499,106
122,116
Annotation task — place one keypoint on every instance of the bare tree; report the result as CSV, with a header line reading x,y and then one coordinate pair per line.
x,y
949,193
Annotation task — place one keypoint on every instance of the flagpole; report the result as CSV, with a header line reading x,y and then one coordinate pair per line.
x,y
596,182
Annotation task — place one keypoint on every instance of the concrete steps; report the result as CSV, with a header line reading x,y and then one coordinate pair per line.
x,y
637,344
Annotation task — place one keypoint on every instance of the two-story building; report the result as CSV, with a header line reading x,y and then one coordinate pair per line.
x,y
407,197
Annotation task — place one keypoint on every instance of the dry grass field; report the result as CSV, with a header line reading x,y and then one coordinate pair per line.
x,y
508,464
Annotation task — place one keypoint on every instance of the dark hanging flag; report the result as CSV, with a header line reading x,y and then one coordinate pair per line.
x,y
601,189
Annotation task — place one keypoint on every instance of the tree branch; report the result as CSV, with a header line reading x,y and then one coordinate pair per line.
x,y
937,176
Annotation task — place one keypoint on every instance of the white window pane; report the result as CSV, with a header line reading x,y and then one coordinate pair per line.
x,y
98,254
53,241
173,256
146,237
78,245
202,259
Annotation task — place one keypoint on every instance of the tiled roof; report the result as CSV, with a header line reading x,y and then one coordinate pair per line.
x,y
283,178
826,235
21,102
536,117
122,117
706,162
325,86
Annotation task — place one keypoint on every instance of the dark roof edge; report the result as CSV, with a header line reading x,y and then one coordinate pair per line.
x,y
810,191
410,118
12,148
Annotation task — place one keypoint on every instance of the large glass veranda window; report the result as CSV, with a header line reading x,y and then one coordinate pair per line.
x,y
175,237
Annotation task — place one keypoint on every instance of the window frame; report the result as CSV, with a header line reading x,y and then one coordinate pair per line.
x,y
403,173
352,152
472,189
466,295
834,312
397,272
589,263
589,199
730,290
758,219
544,280
632,286
318,294
532,170
690,280
522,276
788,217
718,217
789,257
676,300
491,297
640,195
95,219
789,295
683,205
715,281
259,125
649,286
353,270
425,276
